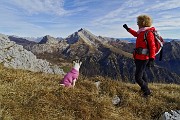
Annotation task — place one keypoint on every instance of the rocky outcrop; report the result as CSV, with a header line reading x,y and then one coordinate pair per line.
x,y
171,115
15,56
49,45
21,41
49,48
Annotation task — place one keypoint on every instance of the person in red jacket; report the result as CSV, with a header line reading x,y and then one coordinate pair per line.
x,y
144,53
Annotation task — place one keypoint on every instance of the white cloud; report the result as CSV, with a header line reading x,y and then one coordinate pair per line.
x,y
103,17
167,20
164,14
125,12
82,2
168,24
41,6
164,5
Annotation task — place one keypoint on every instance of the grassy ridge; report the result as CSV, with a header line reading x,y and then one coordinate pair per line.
x,y
27,95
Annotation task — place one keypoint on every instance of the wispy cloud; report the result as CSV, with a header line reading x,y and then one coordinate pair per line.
x,y
165,5
103,17
40,6
78,3
53,7
124,12
164,14
170,24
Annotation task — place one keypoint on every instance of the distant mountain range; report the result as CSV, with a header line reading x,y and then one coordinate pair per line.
x,y
104,56
130,40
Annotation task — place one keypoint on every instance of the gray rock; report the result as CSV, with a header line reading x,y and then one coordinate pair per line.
x,y
49,48
15,56
116,100
97,83
172,115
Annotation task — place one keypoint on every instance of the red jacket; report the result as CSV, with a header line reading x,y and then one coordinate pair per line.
x,y
141,43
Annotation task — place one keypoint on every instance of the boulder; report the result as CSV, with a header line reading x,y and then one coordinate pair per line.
x,y
15,56
171,115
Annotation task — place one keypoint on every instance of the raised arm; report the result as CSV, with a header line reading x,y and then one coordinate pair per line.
x,y
133,32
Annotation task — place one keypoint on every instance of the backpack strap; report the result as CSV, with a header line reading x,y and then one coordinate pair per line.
x,y
160,56
145,38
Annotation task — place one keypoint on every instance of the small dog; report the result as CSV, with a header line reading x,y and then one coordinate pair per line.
x,y
70,78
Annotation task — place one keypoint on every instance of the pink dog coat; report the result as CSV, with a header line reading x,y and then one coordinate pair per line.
x,y
69,77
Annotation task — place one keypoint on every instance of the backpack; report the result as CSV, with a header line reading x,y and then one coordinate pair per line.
x,y
158,42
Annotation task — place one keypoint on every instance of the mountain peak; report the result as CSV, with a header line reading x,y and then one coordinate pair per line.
x,y
85,35
81,29
85,31
48,40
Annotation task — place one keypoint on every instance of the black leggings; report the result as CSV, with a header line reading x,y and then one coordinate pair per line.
x,y
140,74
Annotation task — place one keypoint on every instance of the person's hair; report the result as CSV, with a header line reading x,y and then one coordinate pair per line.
x,y
144,21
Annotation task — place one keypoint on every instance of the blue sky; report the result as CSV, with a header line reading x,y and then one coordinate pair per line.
x,y
60,18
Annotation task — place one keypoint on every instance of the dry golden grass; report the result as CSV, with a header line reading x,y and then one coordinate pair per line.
x,y
27,95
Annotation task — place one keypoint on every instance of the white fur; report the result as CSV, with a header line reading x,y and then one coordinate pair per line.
x,y
62,84
77,65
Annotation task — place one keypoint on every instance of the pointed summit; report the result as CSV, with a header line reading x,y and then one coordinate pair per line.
x,y
85,36
86,32
48,40
80,30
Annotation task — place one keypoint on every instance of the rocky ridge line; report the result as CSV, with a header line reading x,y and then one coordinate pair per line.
x,y
15,56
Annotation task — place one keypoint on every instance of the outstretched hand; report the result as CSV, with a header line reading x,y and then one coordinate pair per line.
x,y
126,27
